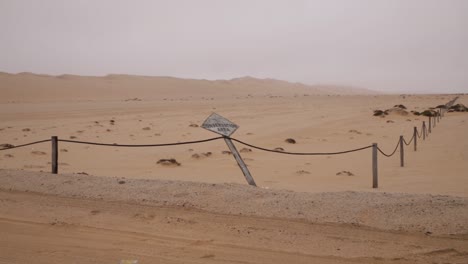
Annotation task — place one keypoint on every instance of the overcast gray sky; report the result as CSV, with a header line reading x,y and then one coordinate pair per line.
x,y
386,45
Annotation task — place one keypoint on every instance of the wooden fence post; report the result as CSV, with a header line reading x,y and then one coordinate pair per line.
x,y
424,130
415,135
375,180
402,153
430,125
54,155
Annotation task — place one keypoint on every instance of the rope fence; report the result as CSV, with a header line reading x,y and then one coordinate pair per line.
x,y
426,130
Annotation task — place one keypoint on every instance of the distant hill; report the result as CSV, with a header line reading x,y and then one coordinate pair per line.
x,y
30,87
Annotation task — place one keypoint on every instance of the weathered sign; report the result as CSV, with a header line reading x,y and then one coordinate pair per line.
x,y
220,125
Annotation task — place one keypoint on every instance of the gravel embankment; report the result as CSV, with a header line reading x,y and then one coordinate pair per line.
x,y
431,214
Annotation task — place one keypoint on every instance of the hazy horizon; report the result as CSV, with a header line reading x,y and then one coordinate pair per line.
x,y
389,46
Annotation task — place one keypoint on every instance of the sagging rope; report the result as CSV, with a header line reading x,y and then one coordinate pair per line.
x,y
408,143
417,133
139,146
393,153
24,145
302,153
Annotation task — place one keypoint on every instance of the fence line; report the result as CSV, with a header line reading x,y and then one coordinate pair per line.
x,y
425,133
200,141
193,142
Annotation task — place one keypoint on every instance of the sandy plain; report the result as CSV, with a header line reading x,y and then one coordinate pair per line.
x,y
203,211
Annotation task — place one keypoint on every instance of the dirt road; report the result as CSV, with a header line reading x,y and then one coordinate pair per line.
x,y
38,228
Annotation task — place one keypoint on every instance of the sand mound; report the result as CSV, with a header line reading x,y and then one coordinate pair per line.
x,y
400,106
202,155
245,150
397,111
458,108
347,173
430,112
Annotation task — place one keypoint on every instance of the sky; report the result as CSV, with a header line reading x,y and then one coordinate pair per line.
x,y
411,46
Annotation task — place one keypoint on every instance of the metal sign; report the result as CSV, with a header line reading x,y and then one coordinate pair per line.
x,y
220,125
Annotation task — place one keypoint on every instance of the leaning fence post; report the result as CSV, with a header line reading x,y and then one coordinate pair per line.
x,y
375,180
54,155
430,125
424,130
415,135
240,161
402,153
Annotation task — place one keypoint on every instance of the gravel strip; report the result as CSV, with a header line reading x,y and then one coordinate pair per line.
x,y
430,214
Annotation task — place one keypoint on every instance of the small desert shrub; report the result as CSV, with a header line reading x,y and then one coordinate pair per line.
x,y
400,106
168,162
428,113
459,108
379,113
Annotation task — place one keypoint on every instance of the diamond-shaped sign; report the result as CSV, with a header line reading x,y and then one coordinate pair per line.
x,y
220,125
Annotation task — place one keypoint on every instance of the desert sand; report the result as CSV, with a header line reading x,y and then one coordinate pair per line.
x,y
109,203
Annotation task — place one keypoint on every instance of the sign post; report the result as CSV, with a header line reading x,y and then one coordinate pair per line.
x,y
220,125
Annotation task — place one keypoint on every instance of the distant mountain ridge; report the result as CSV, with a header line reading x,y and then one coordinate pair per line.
x,y
27,86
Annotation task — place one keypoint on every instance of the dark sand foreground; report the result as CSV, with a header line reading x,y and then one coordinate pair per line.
x,y
49,218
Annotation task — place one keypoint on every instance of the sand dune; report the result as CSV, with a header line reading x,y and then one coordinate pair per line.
x,y
307,209
29,87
